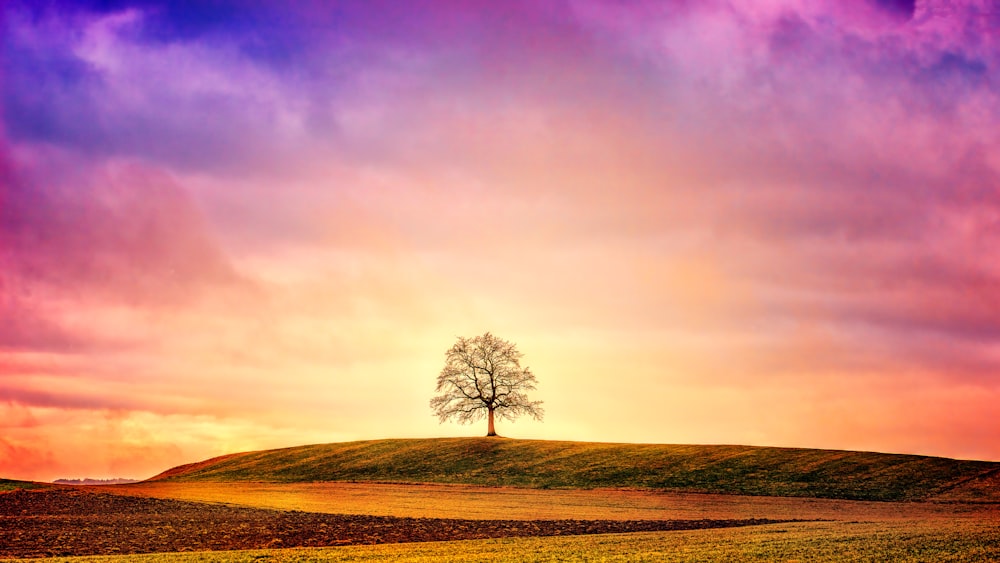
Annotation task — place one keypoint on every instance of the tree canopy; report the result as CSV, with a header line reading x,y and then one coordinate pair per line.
x,y
482,376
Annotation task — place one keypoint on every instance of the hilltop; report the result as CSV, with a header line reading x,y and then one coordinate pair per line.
x,y
745,470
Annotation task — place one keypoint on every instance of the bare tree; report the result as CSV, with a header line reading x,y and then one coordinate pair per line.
x,y
483,376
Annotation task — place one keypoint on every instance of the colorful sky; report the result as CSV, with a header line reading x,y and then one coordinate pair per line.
x,y
240,225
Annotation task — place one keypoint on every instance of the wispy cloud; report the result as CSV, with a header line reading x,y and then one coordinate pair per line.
x,y
255,220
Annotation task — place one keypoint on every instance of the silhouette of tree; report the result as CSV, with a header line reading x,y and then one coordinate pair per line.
x,y
483,376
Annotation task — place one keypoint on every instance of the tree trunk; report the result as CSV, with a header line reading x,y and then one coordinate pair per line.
x,y
492,431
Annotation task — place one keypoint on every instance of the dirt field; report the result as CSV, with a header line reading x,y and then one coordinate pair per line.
x,y
66,521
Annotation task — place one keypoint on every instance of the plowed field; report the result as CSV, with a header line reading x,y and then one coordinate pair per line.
x,y
67,521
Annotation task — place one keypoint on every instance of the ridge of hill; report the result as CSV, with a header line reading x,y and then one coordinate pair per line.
x,y
746,470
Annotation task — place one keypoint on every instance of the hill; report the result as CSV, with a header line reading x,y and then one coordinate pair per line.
x,y
744,470
10,485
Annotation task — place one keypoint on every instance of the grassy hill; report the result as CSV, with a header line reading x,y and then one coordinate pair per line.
x,y
550,464
10,485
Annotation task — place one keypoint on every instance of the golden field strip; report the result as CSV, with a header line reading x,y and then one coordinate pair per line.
x,y
964,540
466,501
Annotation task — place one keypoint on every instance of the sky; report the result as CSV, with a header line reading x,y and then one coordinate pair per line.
x,y
230,225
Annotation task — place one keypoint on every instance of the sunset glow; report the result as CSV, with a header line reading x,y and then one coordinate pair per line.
x,y
729,221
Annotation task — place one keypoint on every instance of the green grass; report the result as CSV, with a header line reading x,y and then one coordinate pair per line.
x,y
904,542
549,464
10,485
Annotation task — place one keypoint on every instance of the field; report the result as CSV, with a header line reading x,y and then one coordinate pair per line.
x,y
800,542
63,521
203,508
486,503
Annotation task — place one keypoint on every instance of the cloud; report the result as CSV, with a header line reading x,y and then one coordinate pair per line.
x,y
122,231
852,149
286,210
25,329
97,84
17,459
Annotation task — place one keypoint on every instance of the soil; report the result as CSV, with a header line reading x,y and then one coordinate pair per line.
x,y
68,521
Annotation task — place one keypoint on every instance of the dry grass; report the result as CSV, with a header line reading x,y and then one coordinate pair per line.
x,y
545,464
464,501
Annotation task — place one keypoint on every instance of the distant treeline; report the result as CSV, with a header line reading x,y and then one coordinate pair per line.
x,y
116,481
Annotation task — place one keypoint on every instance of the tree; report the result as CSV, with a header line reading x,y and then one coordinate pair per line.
x,y
483,376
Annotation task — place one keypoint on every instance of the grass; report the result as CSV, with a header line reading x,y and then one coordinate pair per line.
x,y
10,485
966,541
743,470
496,503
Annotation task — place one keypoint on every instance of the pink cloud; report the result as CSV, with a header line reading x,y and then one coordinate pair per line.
x,y
26,460
715,199
123,231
